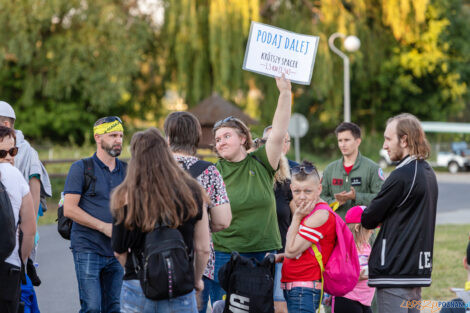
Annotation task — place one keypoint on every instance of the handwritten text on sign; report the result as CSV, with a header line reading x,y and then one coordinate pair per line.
x,y
273,51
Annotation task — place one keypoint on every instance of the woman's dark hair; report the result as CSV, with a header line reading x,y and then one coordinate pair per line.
x,y
183,131
7,132
353,128
240,128
155,189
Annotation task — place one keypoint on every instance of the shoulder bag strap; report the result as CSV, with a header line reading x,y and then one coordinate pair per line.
x,y
319,258
198,168
89,174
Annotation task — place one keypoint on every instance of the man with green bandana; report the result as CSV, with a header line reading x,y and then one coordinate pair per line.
x,y
99,274
353,179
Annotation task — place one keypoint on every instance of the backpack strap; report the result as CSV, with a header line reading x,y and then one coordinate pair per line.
x,y
89,174
198,168
319,258
257,159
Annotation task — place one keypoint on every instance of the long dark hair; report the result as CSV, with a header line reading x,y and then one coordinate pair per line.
x,y
155,189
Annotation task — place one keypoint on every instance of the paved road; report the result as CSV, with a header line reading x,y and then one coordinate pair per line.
x,y
59,292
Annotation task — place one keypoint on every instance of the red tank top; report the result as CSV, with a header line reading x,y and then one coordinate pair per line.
x,y
305,267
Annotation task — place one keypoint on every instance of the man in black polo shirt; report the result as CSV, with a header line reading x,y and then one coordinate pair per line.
x,y
99,274
401,259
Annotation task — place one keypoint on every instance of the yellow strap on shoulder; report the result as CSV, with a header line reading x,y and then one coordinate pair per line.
x,y
334,205
319,258
467,286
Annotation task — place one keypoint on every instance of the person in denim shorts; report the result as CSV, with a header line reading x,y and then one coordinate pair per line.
x,y
312,223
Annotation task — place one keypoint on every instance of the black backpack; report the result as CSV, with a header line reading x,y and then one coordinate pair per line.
x,y
7,225
165,269
249,284
64,224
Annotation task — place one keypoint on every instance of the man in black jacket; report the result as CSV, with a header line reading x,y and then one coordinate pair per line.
x,y
401,259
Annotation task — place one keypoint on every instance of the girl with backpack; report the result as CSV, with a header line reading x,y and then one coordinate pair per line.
x,y
312,223
159,199
360,298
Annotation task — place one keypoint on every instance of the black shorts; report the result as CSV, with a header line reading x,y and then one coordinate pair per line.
x,y
10,291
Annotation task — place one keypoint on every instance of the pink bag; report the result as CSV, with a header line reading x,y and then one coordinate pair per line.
x,y
341,273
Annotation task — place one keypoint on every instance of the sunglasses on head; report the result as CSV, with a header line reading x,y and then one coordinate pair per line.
x,y
225,120
109,119
306,169
13,151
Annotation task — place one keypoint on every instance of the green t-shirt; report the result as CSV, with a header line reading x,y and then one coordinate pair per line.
x,y
249,187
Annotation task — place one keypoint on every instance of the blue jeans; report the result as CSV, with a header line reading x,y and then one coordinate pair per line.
x,y
133,300
278,292
221,258
212,290
302,300
99,282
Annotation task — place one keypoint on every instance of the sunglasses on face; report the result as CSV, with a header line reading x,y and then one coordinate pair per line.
x,y
13,151
110,119
306,169
225,120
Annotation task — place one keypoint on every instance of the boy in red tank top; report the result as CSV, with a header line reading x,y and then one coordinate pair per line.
x,y
312,223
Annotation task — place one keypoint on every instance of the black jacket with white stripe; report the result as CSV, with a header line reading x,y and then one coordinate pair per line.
x,y
406,207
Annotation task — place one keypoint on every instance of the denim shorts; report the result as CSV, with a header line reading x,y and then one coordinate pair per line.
x,y
133,300
302,299
278,294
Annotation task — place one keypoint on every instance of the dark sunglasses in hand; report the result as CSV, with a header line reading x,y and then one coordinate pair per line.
x,y
306,169
13,151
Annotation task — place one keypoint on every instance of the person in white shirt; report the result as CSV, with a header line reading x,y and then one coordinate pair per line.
x,y
22,204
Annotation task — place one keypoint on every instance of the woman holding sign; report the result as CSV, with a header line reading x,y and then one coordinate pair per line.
x,y
249,179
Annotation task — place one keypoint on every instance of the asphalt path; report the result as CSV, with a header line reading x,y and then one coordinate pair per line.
x,y
58,292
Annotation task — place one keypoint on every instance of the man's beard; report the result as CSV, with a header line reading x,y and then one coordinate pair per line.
x,y
398,155
111,150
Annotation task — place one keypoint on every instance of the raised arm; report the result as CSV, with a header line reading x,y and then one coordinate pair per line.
x,y
280,122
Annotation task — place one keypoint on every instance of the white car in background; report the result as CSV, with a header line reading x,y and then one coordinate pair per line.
x,y
457,159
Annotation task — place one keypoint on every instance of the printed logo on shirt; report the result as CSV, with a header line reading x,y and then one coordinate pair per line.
x,y
252,173
337,182
356,181
381,174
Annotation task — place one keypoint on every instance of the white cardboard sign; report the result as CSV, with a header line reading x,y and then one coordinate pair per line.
x,y
273,51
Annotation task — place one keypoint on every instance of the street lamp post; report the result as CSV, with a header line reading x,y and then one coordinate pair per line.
x,y
351,43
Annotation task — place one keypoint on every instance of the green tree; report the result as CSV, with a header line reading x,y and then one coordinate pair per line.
x,y
63,63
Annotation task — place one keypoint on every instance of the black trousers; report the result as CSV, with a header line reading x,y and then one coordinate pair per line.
x,y
10,277
345,305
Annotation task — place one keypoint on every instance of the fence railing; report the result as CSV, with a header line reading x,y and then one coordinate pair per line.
x,y
65,161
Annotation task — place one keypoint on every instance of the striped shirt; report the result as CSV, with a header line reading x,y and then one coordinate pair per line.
x,y
305,267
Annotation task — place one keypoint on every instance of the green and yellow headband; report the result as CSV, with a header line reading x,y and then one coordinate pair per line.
x,y
105,128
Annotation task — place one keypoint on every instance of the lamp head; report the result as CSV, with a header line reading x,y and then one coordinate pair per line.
x,y
352,43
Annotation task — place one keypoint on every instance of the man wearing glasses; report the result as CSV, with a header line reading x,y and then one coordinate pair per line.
x,y
353,179
99,274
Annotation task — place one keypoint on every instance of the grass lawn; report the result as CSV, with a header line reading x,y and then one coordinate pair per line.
x,y
450,246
